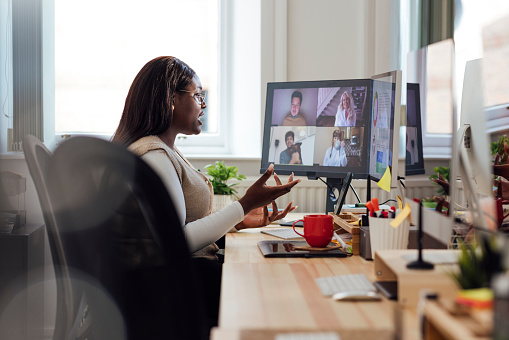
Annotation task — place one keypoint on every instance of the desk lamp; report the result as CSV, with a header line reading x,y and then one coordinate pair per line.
x,y
420,263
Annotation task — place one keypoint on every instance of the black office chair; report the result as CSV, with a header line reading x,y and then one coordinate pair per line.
x,y
38,159
129,265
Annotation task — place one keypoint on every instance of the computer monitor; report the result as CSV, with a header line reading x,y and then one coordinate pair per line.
x,y
414,160
384,125
324,128
472,156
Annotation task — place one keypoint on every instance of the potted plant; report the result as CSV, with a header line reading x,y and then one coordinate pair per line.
x,y
220,174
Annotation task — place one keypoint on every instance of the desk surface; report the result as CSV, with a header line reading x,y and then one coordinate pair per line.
x,y
261,297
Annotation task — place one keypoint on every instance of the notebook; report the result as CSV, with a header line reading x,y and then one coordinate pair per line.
x,y
284,233
278,248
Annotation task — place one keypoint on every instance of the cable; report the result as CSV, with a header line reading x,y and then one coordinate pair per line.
x,y
330,189
355,192
390,200
400,179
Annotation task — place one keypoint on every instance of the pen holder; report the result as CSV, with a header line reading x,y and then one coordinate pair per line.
x,y
383,236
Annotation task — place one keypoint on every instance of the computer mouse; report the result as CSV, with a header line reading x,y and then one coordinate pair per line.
x,y
357,295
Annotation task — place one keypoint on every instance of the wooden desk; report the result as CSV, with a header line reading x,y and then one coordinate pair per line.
x,y
263,297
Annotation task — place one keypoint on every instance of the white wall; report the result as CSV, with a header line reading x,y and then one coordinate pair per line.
x,y
341,39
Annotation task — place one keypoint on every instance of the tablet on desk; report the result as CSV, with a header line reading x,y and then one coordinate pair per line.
x,y
290,224
279,248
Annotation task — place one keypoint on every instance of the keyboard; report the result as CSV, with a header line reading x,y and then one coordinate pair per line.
x,y
284,233
331,285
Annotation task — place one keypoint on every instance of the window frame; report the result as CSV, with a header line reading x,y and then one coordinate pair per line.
x,y
435,146
232,61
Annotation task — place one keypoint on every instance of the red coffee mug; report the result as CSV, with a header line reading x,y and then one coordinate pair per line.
x,y
318,230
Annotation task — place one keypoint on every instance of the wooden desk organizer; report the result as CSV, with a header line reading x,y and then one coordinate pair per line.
x,y
443,321
391,266
342,224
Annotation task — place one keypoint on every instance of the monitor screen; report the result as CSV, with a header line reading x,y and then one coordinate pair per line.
x,y
317,128
414,161
329,128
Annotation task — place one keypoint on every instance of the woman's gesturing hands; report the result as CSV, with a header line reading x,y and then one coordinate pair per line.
x,y
260,194
261,216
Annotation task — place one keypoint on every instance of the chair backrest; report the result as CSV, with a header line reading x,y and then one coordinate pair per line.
x,y
38,159
133,266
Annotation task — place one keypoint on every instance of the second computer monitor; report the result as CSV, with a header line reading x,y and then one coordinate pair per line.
x,y
414,161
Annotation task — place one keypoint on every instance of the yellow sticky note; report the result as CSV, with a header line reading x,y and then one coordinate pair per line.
x,y
400,202
385,181
401,216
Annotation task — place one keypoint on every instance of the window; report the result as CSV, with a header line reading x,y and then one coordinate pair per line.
x,y
428,24
101,45
483,32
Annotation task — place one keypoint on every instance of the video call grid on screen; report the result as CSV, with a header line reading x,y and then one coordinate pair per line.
x,y
330,136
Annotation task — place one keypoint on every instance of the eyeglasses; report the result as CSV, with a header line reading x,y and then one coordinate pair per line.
x,y
199,97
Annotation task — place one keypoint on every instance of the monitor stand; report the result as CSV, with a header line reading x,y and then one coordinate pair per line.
x,y
420,263
365,218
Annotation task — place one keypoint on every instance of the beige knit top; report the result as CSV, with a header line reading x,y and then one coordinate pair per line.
x,y
197,189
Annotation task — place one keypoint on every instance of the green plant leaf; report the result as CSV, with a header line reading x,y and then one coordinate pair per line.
x,y
221,174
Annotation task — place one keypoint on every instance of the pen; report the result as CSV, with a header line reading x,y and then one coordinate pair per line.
x,y
369,206
374,201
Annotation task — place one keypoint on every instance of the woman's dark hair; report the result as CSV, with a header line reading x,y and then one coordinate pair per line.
x,y
148,108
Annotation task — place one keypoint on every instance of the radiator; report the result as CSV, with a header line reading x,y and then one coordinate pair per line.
x,y
311,195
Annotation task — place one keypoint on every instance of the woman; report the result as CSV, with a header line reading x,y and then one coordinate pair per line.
x,y
345,116
166,99
335,154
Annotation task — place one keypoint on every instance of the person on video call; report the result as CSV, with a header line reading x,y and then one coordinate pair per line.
x,y
335,154
345,116
294,118
291,155
166,99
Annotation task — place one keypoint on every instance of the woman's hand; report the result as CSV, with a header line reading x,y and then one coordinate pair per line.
x,y
441,204
260,194
261,217
442,182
